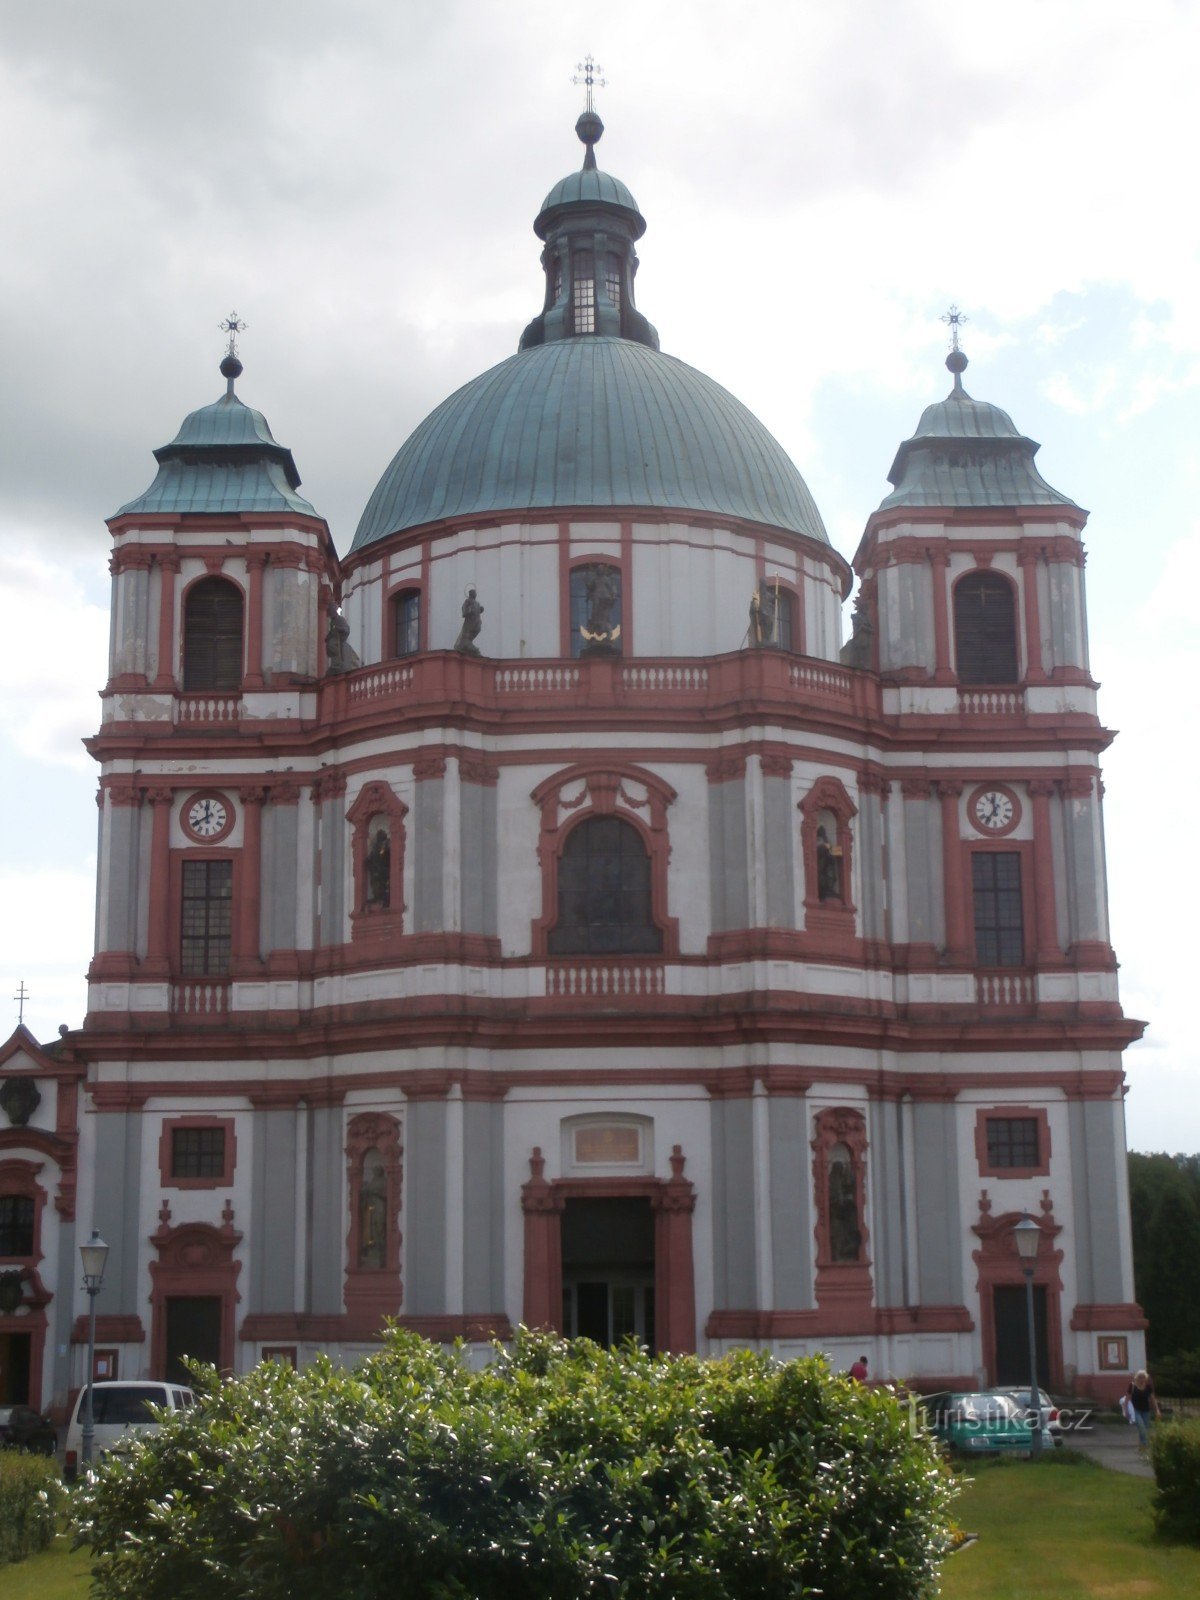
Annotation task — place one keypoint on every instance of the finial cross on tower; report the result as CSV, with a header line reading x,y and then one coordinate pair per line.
x,y
955,319
232,325
20,997
588,72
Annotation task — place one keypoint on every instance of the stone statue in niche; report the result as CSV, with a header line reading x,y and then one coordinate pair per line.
x,y
340,655
372,1212
600,632
845,1239
829,861
472,614
379,866
764,614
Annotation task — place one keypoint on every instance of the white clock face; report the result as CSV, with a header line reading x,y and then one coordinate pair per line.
x,y
993,809
207,816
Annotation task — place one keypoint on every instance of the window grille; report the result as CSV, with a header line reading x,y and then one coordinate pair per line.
x,y
197,1152
604,893
207,918
999,923
583,292
1012,1142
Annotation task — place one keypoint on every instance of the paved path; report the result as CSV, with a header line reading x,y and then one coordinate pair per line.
x,y
1112,1445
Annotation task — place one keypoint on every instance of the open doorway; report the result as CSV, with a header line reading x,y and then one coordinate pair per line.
x,y
15,1359
608,1270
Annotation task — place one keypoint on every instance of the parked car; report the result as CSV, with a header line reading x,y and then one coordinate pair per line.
x,y
978,1424
23,1428
1051,1425
120,1407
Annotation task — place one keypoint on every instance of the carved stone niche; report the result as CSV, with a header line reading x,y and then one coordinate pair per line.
x,y
374,1174
843,1278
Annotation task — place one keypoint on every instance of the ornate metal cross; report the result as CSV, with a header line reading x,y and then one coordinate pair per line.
x,y
588,72
20,997
955,318
232,325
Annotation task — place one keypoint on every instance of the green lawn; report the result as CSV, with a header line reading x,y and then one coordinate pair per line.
x,y
59,1573
1070,1532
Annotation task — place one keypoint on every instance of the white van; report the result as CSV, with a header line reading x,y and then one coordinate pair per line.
x,y
119,1407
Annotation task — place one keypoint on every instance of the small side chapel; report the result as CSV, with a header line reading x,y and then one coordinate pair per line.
x,y
534,911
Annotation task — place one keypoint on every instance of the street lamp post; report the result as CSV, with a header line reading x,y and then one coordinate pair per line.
x,y
1028,1236
95,1255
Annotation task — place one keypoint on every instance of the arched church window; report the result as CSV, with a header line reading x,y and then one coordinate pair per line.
x,y
985,629
212,635
595,609
612,279
16,1225
377,889
845,1237
372,1211
605,903
772,612
583,292
406,622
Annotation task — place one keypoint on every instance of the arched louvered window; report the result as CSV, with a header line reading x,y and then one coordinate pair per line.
x,y
604,893
212,635
985,629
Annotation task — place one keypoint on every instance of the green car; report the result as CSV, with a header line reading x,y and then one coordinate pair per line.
x,y
978,1424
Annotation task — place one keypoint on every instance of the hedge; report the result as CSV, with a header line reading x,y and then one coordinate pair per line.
x,y
30,1498
1175,1457
559,1472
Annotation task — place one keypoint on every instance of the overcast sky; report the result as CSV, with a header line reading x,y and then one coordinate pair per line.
x,y
358,179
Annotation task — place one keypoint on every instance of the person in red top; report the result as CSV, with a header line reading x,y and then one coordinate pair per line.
x,y
859,1370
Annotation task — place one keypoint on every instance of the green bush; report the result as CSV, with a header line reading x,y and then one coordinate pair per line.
x,y
1175,1457
559,1472
30,1497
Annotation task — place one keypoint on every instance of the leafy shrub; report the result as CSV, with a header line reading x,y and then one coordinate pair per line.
x,y
559,1472
30,1497
1175,1457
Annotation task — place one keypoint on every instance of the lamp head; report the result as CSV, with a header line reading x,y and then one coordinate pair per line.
x,y
94,1255
1028,1236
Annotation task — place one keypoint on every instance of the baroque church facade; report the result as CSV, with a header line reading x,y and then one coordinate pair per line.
x,y
538,914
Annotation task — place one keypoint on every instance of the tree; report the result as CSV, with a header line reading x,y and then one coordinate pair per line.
x,y
1164,1203
561,1471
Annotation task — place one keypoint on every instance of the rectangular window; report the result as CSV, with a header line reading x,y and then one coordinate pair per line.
x,y
16,1225
206,919
197,1152
999,925
1013,1142
583,292
612,280
407,622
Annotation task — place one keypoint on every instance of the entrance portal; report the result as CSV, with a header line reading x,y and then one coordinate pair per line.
x,y
608,1270
193,1330
15,1353
1012,1334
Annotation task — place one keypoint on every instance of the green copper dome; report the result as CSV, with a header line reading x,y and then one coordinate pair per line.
x,y
223,459
967,452
590,421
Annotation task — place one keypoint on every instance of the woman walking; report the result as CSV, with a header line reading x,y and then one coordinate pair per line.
x,y
1144,1403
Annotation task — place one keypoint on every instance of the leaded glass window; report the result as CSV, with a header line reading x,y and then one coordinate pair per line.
x,y
604,893
999,923
197,1152
1012,1142
207,918
583,292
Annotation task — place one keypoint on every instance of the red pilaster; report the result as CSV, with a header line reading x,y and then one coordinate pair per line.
x,y
1028,560
1040,793
256,560
939,562
958,944
168,566
158,922
675,1285
542,1206
248,916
